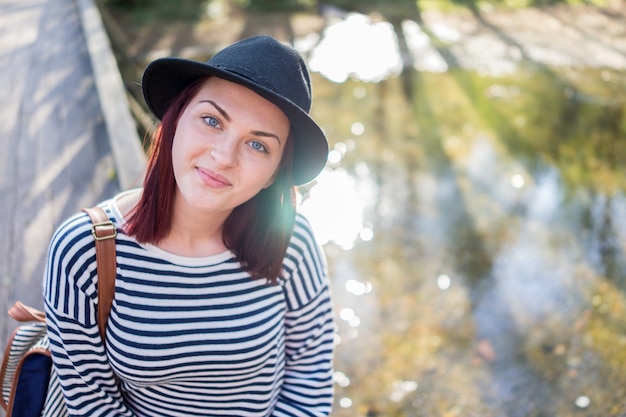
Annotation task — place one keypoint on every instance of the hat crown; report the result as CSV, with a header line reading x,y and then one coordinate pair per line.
x,y
269,64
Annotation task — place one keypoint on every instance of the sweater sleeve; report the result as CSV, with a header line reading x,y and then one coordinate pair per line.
x,y
70,295
307,389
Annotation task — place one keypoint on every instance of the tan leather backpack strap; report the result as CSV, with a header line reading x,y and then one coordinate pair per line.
x,y
24,313
104,233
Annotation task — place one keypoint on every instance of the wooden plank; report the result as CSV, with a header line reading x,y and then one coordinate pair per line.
x,y
126,145
55,155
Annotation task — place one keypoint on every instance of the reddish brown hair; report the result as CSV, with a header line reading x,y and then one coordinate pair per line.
x,y
257,232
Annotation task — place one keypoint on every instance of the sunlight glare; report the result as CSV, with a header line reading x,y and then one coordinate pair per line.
x,y
356,287
361,169
346,314
517,181
357,128
357,48
335,209
354,322
366,234
341,379
583,401
443,282
359,92
334,157
402,388
426,56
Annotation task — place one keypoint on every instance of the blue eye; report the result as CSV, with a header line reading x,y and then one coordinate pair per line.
x,y
211,121
258,146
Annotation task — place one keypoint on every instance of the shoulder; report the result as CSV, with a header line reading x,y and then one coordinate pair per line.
x,y
70,263
303,231
73,230
73,239
303,242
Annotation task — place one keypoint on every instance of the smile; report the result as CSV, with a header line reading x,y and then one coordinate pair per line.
x,y
212,179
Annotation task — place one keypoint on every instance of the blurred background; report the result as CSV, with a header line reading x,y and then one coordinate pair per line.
x,y
473,209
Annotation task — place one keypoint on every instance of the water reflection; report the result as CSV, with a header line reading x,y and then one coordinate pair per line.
x,y
356,47
476,230
335,209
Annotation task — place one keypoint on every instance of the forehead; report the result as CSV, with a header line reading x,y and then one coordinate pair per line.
x,y
232,91
237,99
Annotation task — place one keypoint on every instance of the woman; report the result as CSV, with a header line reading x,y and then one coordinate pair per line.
x,y
222,304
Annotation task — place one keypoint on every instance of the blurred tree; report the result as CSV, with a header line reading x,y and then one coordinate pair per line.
x,y
546,2
473,4
276,5
130,3
407,9
154,12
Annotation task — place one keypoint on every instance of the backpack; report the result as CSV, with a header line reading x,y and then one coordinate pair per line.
x,y
30,385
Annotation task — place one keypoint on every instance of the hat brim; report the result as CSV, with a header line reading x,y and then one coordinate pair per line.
x,y
165,78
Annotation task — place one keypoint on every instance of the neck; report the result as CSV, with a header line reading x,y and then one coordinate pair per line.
x,y
194,233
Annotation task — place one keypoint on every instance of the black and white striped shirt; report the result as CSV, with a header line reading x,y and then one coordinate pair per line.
x,y
189,336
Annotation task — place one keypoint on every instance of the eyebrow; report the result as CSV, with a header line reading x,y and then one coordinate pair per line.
x,y
218,108
226,116
266,134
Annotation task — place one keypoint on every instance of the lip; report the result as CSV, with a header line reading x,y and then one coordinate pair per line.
x,y
212,179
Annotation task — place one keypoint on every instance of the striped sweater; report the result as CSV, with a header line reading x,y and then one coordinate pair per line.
x,y
189,336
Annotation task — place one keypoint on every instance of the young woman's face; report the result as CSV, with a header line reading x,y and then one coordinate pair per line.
x,y
227,147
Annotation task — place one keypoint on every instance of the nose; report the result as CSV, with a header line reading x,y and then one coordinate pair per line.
x,y
224,152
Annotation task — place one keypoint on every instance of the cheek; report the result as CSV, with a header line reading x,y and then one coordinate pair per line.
x,y
178,155
272,174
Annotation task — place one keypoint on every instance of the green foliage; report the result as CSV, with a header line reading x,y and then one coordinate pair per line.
x,y
532,121
351,4
448,5
154,11
149,11
276,5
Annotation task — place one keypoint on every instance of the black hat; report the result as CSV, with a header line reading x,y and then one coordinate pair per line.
x,y
274,71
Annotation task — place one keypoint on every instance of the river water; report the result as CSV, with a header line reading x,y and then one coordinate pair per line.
x,y
473,211
474,219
